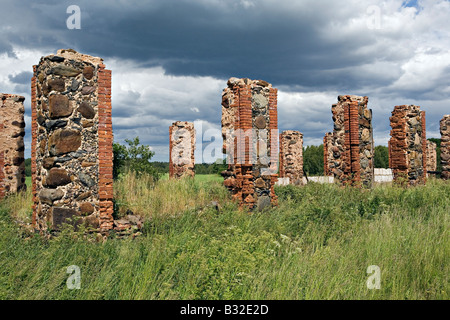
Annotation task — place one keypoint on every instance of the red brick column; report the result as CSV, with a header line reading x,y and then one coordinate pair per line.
x,y
2,175
34,128
445,146
105,152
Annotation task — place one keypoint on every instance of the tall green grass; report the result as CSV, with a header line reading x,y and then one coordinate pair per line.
x,y
316,245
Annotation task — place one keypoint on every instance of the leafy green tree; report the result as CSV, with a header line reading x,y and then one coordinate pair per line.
x,y
381,157
313,160
134,157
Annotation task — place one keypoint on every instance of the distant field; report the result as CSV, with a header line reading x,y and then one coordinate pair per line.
x,y
317,244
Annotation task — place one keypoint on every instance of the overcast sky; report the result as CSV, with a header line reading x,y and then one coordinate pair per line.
x,y
171,59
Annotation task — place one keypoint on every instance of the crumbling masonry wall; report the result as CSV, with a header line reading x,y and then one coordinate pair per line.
x,y
291,156
12,148
408,144
181,150
250,141
72,139
327,153
431,156
445,146
352,142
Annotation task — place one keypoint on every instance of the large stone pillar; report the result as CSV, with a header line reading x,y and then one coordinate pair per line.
x,y
445,146
408,144
250,141
12,131
327,153
431,156
291,156
72,139
353,148
181,150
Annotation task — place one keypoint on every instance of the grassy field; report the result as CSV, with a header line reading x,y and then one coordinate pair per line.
x,y
317,244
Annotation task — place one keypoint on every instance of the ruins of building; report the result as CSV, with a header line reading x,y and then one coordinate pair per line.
x,y
408,145
181,150
12,148
445,146
431,156
352,147
250,141
291,156
71,152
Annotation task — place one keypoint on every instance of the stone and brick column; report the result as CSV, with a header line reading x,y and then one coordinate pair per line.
x,y
407,146
431,156
445,147
327,153
352,142
72,156
12,131
250,141
291,156
181,150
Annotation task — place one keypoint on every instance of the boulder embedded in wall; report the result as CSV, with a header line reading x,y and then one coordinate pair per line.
x,y
57,177
86,208
57,85
66,71
88,72
86,110
49,195
59,106
61,215
64,141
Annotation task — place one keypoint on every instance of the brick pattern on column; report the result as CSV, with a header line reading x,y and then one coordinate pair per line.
x,y
291,156
12,131
105,149
407,146
181,150
2,175
250,135
350,156
72,154
445,146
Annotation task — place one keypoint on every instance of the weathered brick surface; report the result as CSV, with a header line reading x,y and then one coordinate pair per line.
x,y
12,131
407,146
291,156
445,146
250,141
181,149
72,158
350,159
431,156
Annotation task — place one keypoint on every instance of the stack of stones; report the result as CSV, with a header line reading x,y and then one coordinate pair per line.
x,y
181,150
12,131
327,153
291,156
408,145
250,141
445,147
352,143
431,156
72,142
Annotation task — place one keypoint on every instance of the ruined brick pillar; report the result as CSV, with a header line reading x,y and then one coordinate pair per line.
x,y
407,146
250,141
431,156
327,153
72,158
181,150
352,142
291,156
12,131
445,147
